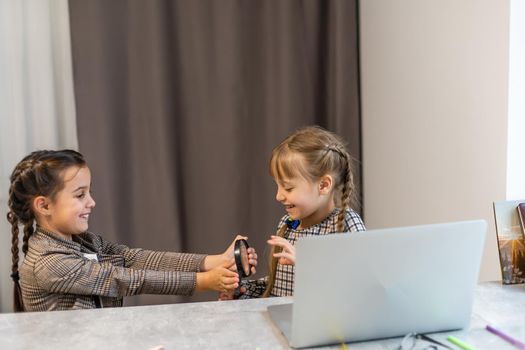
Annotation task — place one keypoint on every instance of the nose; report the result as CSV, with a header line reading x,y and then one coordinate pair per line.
x,y
279,196
91,203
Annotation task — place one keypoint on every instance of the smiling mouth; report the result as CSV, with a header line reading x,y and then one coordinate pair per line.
x,y
85,216
289,206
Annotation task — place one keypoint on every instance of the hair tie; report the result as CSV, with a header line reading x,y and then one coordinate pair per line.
x,y
15,276
293,224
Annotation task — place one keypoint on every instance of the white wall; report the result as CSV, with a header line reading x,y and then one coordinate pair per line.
x,y
37,106
516,124
434,100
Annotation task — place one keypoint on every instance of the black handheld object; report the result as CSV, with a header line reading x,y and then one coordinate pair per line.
x,y
244,269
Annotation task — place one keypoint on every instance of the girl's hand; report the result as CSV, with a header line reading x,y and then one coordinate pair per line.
x,y
220,279
252,254
226,295
252,259
229,295
287,255
212,261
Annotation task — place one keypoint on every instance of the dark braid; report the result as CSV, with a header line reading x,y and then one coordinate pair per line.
x,y
37,174
17,292
28,231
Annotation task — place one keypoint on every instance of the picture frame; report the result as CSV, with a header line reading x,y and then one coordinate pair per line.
x,y
511,241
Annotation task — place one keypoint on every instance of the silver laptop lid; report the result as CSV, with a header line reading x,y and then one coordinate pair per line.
x,y
385,283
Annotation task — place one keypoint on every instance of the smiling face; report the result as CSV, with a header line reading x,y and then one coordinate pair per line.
x,y
67,213
309,201
306,191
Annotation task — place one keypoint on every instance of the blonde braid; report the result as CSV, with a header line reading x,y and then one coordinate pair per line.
x,y
272,262
347,187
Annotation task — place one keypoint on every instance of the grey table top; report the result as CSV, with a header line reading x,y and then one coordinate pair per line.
x,y
227,325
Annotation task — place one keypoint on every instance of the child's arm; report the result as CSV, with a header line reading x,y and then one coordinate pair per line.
x,y
212,261
214,277
59,272
144,259
166,261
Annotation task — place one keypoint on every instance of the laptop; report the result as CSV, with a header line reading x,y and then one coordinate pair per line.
x,y
382,283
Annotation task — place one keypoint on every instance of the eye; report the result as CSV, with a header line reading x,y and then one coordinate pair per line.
x,y
81,195
288,189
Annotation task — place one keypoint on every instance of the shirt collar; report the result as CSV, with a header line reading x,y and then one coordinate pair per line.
x,y
55,237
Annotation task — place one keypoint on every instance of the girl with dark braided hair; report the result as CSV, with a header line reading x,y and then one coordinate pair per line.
x,y
67,267
313,173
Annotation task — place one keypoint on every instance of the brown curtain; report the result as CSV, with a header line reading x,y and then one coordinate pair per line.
x,y
179,104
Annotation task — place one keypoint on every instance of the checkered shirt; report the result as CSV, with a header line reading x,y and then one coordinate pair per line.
x,y
284,278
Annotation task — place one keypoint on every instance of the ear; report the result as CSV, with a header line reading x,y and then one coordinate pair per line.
x,y
326,184
41,205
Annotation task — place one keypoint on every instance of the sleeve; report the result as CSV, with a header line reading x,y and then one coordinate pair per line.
x,y
353,221
254,288
62,272
142,259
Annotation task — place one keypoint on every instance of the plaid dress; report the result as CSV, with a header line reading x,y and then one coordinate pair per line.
x,y
89,272
284,277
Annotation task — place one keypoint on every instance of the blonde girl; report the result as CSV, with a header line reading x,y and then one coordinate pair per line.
x,y
314,177
67,267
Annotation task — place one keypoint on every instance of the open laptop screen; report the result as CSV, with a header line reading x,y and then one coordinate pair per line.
x,y
385,283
